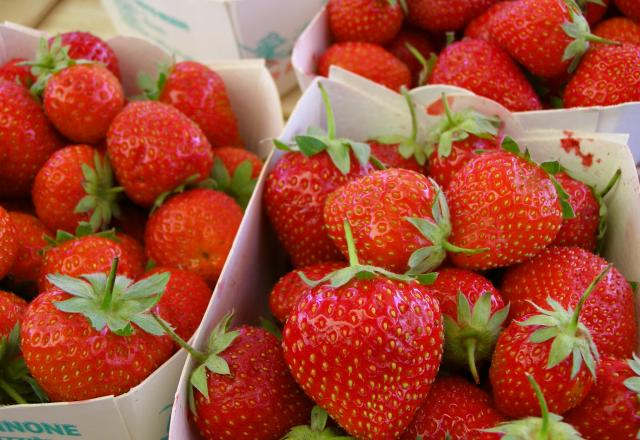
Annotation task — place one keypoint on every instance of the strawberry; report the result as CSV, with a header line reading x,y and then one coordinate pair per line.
x,y
317,429
13,70
194,231
485,69
368,60
421,42
562,273
520,28
297,187
199,93
154,148
27,139
371,337
235,172
608,75
242,388
520,214
132,220
30,234
373,21
133,248
630,8
290,288
9,244
86,46
556,348
474,315
12,309
619,29
75,185
232,157
611,409
93,336
445,15
593,10
480,27
456,410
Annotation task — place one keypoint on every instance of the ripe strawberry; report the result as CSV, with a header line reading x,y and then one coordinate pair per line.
x,y
480,27
199,93
235,172
154,148
132,220
608,75
548,37
232,157
75,185
30,234
619,29
194,231
93,336
456,410
373,21
445,15
556,348
184,301
592,10
474,315
562,273
133,248
13,71
290,288
485,69
12,309
630,8
420,40
370,336
27,139
368,60
519,215
9,245
611,410
85,46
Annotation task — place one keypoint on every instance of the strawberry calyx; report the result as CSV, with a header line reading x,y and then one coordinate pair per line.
x,y
427,65
407,146
240,186
549,426
570,336
471,335
113,301
633,383
188,183
152,88
603,212
84,229
102,196
436,231
317,429
454,127
16,384
362,271
402,3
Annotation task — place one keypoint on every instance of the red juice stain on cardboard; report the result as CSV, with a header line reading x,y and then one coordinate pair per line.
x,y
571,144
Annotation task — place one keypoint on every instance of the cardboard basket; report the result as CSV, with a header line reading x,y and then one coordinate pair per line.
x,y
142,413
366,111
316,38
220,29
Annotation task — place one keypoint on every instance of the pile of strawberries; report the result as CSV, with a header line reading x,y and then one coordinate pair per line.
x,y
116,212
450,289
524,54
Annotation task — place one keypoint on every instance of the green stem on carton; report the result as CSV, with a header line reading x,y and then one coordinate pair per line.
x,y
11,392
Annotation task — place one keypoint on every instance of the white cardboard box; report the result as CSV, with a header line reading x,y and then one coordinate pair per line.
x,y
142,413
220,29
316,38
364,110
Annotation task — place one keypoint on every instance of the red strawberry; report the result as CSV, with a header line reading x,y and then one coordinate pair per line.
x,y
630,8
611,411
75,185
133,248
13,71
27,139
290,288
520,28
368,60
420,40
12,309
9,244
199,93
480,27
93,337
556,348
608,75
235,172
373,21
232,157
30,234
456,410
518,216
154,148
85,46
562,273
445,15
485,69
194,231
593,11
371,337
184,301
132,220
619,29
474,315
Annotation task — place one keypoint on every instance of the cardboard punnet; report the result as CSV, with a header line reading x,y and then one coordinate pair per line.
x,y
364,110
142,413
316,38
219,29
